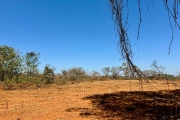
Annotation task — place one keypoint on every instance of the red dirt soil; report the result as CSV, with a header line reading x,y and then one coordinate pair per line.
x,y
75,101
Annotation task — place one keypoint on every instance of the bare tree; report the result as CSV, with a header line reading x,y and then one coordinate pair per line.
x,y
106,71
115,71
158,70
95,74
148,73
127,71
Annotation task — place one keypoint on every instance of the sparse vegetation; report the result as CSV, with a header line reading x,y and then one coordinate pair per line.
x,y
123,91
48,74
16,68
21,72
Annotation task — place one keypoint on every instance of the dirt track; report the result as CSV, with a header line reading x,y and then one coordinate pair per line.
x,y
83,101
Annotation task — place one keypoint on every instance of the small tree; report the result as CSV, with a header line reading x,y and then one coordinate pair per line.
x,y
48,74
65,73
32,62
125,70
106,71
158,70
128,71
115,71
95,74
149,73
76,73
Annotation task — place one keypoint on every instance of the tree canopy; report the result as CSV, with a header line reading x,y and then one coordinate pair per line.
x,y
10,62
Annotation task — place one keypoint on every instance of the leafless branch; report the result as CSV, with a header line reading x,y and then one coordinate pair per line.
x,y
147,9
119,8
172,10
140,18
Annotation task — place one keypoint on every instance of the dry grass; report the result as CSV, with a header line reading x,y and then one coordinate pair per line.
x,y
96,100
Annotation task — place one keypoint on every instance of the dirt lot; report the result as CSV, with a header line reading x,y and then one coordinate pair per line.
x,y
98,100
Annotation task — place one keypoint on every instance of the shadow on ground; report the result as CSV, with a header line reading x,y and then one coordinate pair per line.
x,y
147,105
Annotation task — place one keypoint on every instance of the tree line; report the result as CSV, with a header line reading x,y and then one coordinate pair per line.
x,y
17,68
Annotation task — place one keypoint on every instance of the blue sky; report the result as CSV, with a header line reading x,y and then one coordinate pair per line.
x,y
80,33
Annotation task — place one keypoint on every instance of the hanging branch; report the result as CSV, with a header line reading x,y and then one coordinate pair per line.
x,y
121,26
172,12
140,18
147,8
